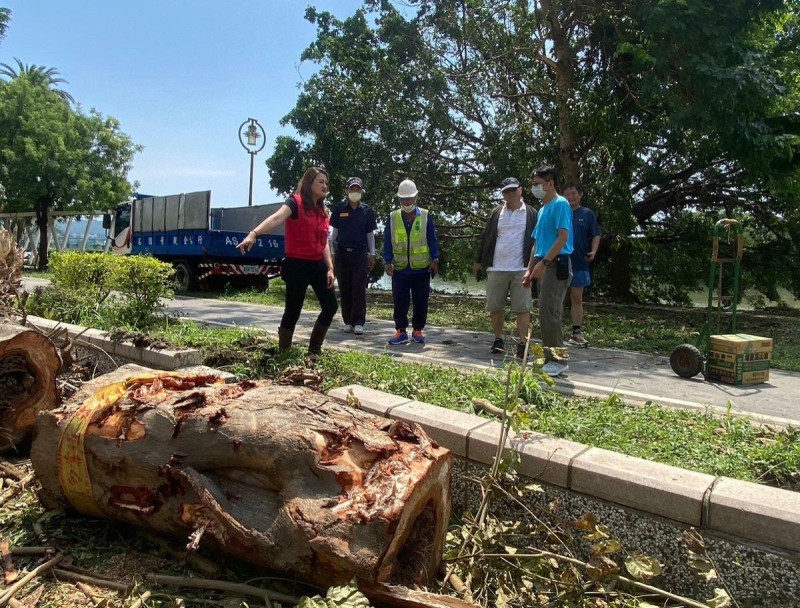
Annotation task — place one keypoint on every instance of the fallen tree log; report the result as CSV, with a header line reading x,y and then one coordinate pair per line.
x,y
29,364
279,476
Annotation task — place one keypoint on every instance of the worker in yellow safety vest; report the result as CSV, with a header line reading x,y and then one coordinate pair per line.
x,y
411,253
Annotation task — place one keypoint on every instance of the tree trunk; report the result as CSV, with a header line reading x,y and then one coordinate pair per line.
x,y
42,207
564,67
29,364
619,274
277,475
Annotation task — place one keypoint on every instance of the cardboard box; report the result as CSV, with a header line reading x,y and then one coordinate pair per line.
x,y
739,359
737,377
740,344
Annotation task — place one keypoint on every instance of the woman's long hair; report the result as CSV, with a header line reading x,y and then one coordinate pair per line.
x,y
304,190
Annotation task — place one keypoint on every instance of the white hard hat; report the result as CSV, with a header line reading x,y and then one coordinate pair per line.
x,y
407,189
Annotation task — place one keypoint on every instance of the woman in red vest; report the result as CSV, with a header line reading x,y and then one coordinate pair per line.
x,y
308,258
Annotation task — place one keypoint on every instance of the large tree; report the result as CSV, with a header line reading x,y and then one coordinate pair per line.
x,y
56,157
672,114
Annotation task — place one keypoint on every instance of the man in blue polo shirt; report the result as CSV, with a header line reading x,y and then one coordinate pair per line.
x,y
585,241
550,264
353,238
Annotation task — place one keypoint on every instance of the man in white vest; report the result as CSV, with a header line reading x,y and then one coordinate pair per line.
x,y
411,254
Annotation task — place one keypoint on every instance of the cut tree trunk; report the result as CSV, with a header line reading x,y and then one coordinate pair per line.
x,y
29,364
280,476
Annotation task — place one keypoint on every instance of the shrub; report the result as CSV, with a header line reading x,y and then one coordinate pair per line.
x,y
142,282
105,290
67,305
89,273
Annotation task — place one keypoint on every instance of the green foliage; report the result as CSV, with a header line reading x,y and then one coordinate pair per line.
x,y
39,75
347,596
5,17
90,273
670,113
104,290
53,155
142,282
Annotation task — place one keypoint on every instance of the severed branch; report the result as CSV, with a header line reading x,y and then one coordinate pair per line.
x,y
486,406
91,580
12,590
205,583
88,592
10,470
623,579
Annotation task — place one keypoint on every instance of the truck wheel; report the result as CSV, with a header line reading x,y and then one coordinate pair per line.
x,y
686,360
184,277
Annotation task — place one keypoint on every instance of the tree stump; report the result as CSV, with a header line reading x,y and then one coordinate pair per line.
x,y
29,364
280,476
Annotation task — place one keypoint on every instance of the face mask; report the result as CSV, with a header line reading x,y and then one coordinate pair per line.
x,y
354,196
538,191
408,208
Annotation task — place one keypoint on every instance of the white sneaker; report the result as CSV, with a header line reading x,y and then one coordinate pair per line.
x,y
358,330
554,368
348,329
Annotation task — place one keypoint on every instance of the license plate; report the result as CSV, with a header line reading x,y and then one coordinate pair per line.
x,y
251,269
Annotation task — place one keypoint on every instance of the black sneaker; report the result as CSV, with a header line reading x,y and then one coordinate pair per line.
x,y
498,347
520,351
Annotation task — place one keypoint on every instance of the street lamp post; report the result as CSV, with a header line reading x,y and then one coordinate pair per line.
x,y
251,135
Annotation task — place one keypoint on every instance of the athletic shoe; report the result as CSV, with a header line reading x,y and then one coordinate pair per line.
x,y
498,347
554,368
348,329
520,350
358,330
418,336
400,337
577,339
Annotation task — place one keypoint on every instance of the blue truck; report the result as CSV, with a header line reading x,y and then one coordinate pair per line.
x,y
200,242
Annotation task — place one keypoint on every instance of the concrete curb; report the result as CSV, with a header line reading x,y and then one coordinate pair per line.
x,y
743,510
164,359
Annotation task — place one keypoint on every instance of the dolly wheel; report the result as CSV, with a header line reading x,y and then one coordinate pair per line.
x,y
686,360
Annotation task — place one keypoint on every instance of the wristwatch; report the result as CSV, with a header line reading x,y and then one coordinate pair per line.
x,y
546,262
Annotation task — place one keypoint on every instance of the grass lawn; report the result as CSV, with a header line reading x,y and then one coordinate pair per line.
x,y
700,442
648,329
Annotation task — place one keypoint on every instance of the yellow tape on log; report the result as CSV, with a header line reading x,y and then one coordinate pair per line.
x,y
73,474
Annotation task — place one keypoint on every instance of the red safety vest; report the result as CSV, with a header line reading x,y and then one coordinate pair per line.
x,y
307,236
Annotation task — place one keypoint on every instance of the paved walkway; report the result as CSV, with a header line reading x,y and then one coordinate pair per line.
x,y
635,376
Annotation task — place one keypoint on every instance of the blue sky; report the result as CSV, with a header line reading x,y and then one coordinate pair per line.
x,y
180,75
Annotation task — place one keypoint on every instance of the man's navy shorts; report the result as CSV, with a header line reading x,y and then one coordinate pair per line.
x,y
581,278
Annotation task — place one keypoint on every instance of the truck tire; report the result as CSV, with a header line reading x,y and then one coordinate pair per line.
x,y
184,276
686,360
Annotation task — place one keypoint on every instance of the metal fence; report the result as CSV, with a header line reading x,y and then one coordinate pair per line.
x,y
61,234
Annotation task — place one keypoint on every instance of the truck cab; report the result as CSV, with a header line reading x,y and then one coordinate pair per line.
x,y
120,227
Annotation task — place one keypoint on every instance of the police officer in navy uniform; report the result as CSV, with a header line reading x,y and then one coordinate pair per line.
x,y
353,238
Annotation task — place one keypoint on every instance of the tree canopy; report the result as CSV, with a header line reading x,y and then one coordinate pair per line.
x,y
671,114
53,156
38,75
